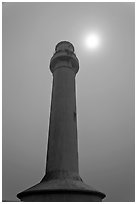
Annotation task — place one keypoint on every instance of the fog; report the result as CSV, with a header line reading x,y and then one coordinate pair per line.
x,y
104,91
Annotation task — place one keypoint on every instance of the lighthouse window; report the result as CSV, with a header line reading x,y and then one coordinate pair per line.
x,y
74,116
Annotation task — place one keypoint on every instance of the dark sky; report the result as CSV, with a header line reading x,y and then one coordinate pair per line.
x,y
105,92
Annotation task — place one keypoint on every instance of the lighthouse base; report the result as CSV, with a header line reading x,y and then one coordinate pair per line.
x,y
64,190
61,196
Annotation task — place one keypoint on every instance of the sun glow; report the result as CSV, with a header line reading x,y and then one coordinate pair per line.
x,y
92,41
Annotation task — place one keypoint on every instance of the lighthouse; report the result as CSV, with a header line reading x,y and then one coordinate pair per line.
x,y
62,182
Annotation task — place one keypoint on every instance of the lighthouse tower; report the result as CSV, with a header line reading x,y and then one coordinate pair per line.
x,y
62,181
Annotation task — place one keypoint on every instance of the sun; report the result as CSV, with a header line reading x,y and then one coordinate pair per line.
x,y
92,41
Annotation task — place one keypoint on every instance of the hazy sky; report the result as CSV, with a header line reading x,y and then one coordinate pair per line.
x,y
105,92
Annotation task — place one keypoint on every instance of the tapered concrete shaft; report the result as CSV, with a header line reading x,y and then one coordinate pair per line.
x,y
62,146
62,181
